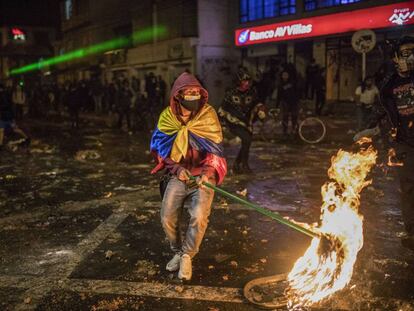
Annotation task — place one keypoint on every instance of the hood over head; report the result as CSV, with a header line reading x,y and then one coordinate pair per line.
x,y
186,80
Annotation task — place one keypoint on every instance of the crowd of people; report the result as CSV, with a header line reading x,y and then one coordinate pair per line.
x,y
133,100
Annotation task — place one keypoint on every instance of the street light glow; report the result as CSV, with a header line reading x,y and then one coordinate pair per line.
x,y
137,37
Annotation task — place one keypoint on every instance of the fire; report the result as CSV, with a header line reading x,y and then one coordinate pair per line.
x,y
327,265
392,158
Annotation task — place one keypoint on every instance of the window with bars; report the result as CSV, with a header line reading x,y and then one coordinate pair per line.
x,y
311,5
252,10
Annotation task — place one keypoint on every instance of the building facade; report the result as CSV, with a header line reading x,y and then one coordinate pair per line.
x,y
295,31
26,36
197,38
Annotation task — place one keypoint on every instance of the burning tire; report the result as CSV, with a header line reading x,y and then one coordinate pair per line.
x,y
267,292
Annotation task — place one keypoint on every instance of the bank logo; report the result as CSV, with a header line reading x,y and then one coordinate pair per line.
x,y
243,36
401,16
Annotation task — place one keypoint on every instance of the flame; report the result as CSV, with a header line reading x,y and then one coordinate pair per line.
x,y
393,133
327,265
364,140
392,158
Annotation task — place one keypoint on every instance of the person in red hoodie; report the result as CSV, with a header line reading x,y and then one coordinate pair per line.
x,y
187,142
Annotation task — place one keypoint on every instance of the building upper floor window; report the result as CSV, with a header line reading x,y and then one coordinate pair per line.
x,y
68,9
251,10
311,5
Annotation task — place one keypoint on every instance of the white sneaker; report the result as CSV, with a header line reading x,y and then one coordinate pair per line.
x,y
186,270
174,263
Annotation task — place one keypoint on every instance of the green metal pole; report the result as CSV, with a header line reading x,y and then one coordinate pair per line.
x,y
274,215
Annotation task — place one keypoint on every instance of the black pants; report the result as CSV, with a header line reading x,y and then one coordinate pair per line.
x,y
406,174
320,102
290,111
309,89
246,141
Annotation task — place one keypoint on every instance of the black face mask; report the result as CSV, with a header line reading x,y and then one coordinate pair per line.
x,y
192,105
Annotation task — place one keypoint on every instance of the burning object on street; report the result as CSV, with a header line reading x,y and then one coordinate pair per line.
x,y
327,265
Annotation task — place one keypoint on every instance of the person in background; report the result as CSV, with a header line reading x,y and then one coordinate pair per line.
x,y
19,101
187,142
367,94
288,100
161,91
290,68
397,106
136,84
124,104
84,97
151,90
64,95
8,124
240,109
51,99
97,94
320,91
74,105
267,82
111,97
312,71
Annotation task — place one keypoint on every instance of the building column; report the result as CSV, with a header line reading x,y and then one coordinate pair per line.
x,y
318,53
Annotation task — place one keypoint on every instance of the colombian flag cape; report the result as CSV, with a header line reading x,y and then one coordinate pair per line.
x,y
171,139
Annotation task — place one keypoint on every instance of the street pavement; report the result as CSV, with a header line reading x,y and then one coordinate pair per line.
x,y
80,226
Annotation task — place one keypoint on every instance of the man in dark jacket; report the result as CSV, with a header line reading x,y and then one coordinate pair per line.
x,y
287,99
397,100
239,110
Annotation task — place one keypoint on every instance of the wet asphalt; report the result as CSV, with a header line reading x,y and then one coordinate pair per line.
x,y
80,229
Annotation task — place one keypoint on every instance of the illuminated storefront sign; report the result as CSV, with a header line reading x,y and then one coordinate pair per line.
x,y
18,34
377,17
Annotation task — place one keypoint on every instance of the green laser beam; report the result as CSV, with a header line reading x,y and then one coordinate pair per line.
x,y
137,37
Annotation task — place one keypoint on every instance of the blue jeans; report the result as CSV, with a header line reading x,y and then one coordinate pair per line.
x,y
175,196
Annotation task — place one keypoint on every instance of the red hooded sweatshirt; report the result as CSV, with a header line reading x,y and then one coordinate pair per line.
x,y
194,161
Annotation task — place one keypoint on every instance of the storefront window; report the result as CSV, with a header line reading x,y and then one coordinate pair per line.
x,y
68,9
311,5
251,10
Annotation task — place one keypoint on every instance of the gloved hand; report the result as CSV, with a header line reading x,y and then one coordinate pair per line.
x,y
184,175
200,179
